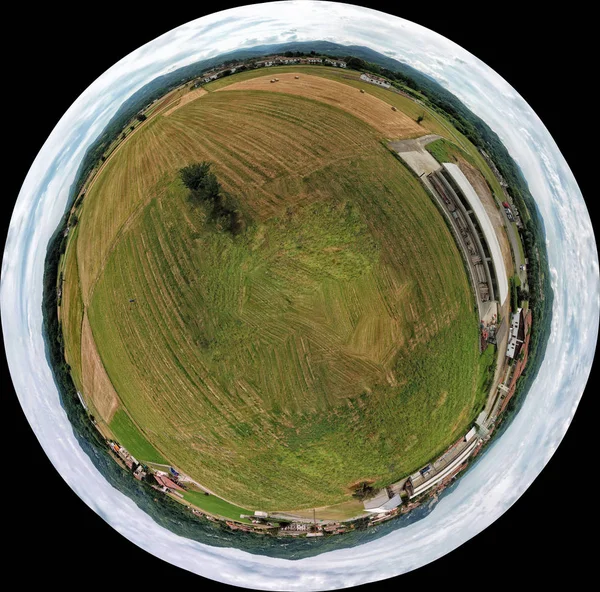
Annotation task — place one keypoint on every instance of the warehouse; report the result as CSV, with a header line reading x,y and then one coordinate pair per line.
x,y
486,226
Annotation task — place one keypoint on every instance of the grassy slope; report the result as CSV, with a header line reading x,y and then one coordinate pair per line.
x,y
154,351
72,305
214,505
445,151
129,436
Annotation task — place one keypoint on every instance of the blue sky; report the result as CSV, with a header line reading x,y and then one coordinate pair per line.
x,y
511,464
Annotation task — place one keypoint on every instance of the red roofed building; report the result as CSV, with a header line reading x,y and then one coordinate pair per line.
x,y
166,482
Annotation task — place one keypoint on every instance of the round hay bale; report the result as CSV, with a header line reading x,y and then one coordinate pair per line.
x,y
296,77
362,90
394,109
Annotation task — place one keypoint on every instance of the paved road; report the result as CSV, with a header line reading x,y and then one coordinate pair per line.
x,y
514,242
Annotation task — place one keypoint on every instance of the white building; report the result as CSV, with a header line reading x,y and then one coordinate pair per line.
x,y
471,434
336,63
371,78
382,502
486,226
515,335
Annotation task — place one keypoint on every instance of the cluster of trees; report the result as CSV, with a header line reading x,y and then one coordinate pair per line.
x,y
300,54
514,301
363,491
206,189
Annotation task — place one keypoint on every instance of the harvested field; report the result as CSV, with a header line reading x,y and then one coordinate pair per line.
x,y
281,365
191,96
95,381
372,110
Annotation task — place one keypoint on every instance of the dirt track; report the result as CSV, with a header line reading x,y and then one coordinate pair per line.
x,y
191,96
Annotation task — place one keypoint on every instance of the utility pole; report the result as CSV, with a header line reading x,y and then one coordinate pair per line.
x,y
314,517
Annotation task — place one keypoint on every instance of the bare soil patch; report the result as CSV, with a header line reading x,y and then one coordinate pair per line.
x,y
96,383
191,96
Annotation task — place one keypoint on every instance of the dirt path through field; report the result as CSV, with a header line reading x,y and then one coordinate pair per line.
x,y
96,384
191,96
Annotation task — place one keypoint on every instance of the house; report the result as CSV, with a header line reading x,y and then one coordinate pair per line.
x,y
314,60
260,514
285,60
210,76
336,63
167,483
372,79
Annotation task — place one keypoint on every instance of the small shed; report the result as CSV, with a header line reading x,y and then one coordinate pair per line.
x,y
260,514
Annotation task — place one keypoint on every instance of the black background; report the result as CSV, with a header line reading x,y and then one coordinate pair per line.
x,y
52,54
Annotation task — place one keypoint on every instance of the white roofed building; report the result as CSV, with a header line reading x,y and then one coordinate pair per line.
x,y
382,502
375,80
486,226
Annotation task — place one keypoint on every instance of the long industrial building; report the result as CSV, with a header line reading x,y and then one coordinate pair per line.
x,y
431,475
486,227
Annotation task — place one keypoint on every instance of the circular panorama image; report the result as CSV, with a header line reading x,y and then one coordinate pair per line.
x,y
288,296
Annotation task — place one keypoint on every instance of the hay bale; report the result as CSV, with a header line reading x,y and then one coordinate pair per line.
x,y
362,90
296,77
394,109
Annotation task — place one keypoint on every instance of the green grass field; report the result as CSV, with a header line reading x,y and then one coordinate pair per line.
x,y
445,151
129,436
72,306
215,505
334,341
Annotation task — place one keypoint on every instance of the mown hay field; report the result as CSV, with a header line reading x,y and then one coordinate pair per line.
x,y
372,110
335,340
433,122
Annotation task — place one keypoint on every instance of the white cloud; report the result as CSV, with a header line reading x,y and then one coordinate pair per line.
x,y
511,464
